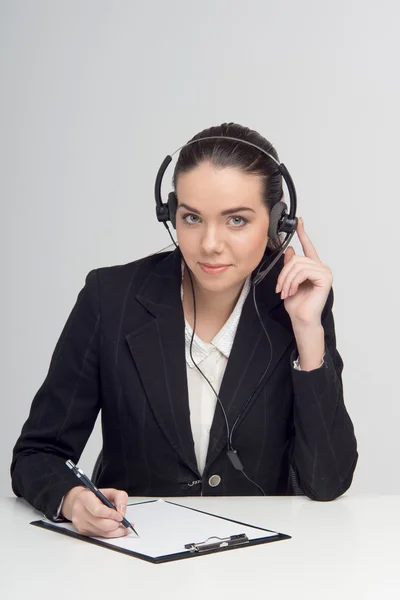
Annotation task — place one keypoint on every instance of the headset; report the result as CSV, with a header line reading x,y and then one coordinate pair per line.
x,y
280,221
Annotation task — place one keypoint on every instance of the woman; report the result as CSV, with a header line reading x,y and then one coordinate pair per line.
x,y
129,349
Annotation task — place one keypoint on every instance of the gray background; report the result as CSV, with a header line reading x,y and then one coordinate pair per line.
x,y
94,94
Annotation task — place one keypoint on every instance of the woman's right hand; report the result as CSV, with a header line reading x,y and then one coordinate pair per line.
x,y
91,517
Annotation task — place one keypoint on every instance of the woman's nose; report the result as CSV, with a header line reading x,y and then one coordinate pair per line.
x,y
212,240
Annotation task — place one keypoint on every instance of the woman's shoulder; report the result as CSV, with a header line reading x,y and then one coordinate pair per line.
x,y
133,273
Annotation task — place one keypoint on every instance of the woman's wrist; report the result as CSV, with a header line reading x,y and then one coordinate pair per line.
x,y
310,340
68,502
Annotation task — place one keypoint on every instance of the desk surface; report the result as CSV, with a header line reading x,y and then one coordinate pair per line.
x,y
344,549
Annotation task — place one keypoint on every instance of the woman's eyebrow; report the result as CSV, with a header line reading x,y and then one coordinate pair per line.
x,y
229,211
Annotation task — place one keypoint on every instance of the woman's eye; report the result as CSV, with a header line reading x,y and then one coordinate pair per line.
x,y
238,221
186,217
191,219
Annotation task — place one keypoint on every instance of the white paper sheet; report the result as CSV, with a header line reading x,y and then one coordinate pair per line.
x,y
165,528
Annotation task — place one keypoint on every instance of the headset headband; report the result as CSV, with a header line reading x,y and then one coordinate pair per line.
x,y
288,221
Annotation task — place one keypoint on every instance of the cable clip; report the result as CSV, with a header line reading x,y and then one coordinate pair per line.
x,y
228,542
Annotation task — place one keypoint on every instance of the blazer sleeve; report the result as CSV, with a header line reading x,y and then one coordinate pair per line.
x,y
64,409
325,448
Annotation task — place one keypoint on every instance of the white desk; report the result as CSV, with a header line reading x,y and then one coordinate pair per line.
x,y
349,548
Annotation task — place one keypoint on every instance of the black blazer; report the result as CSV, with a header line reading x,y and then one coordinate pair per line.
x,y
122,350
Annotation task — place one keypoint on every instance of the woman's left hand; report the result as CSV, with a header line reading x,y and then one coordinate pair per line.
x,y
304,282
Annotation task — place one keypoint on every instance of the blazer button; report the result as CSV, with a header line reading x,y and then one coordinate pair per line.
x,y
214,480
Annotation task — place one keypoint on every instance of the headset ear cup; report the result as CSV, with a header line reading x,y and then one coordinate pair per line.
x,y
172,208
275,216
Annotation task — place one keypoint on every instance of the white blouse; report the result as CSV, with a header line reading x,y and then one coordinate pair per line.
x,y
212,359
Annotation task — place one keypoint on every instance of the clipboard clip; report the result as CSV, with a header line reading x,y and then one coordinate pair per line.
x,y
228,542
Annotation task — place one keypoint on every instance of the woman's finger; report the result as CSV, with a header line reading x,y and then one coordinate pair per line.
x,y
105,526
296,261
118,497
324,281
307,245
288,255
88,528
314,274
97,509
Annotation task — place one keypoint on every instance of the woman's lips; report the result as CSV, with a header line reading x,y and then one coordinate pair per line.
x,y
213,270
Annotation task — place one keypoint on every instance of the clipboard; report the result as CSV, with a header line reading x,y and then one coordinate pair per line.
x,y
169,531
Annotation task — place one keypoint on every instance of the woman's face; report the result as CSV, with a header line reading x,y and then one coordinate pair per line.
x,y
221,220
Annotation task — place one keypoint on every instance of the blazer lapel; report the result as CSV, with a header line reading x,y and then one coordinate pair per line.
x,y
158,349
250,355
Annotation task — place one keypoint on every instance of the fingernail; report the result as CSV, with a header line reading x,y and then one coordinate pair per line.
x,y
278,288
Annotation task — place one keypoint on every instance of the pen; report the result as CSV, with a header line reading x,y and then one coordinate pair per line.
x,y
90,486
